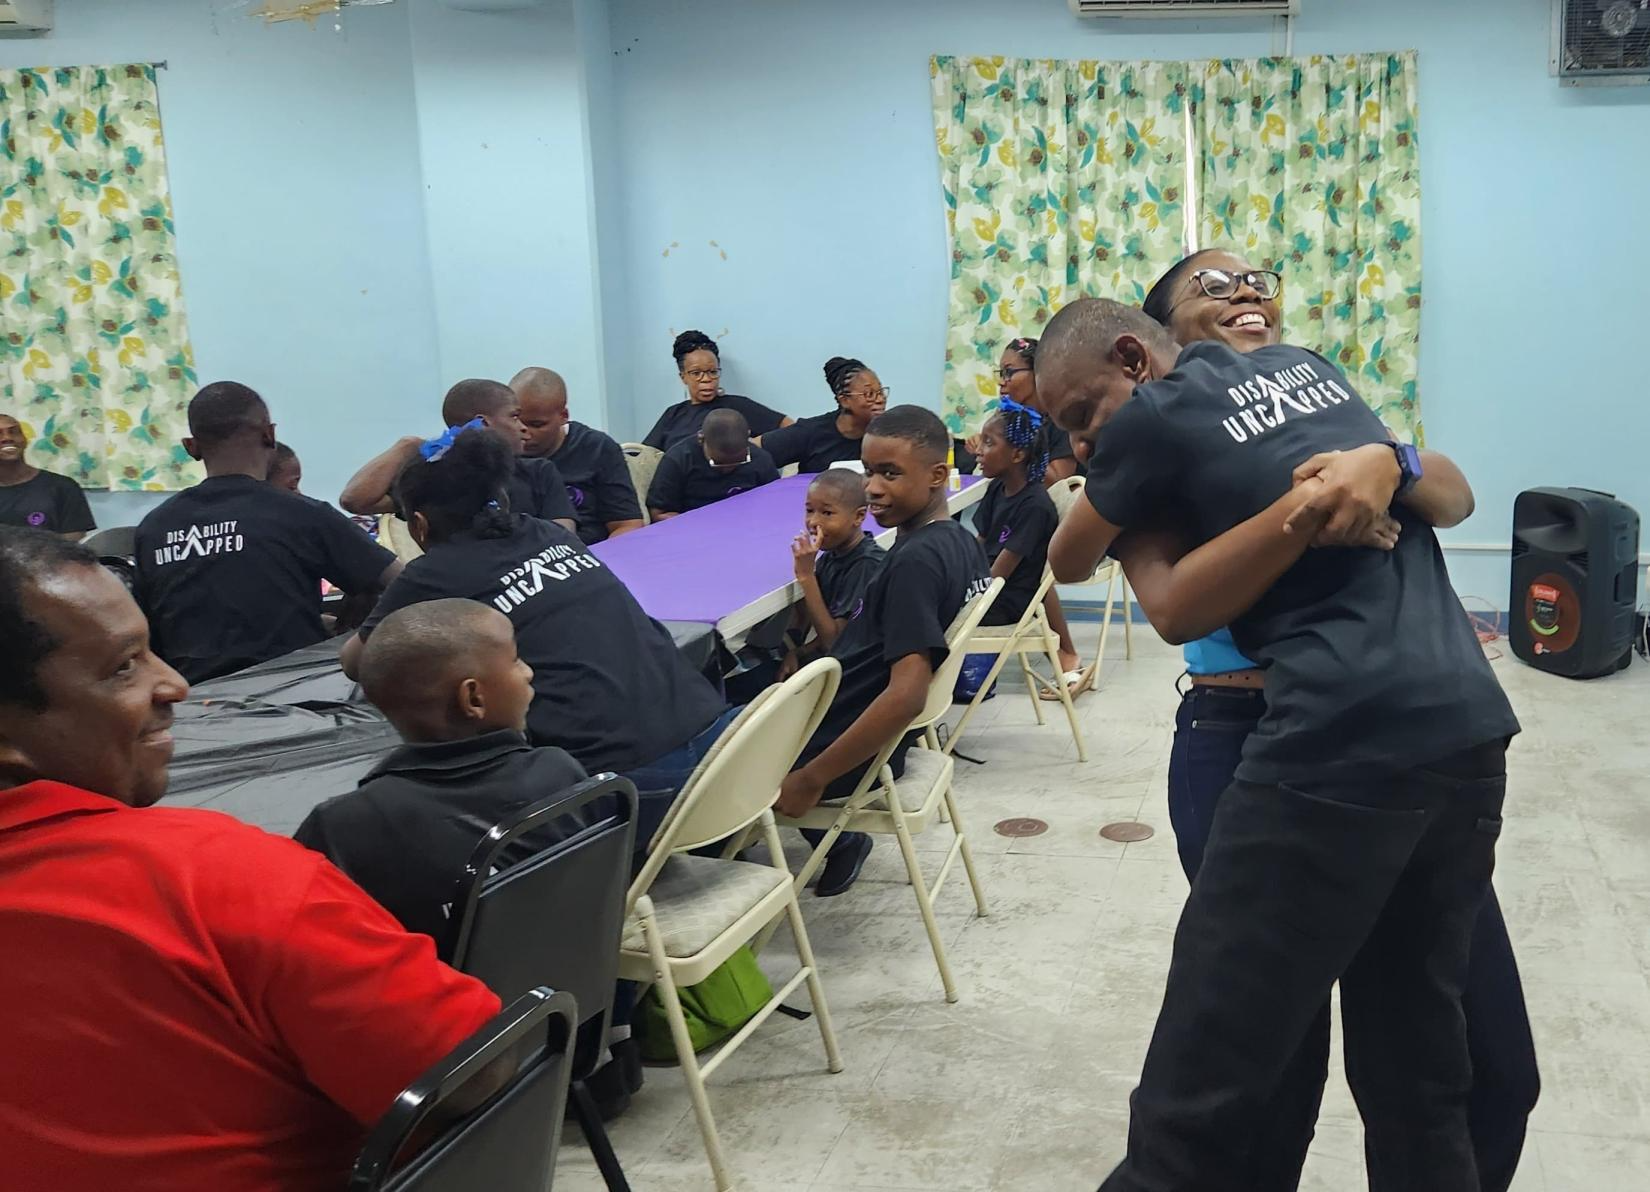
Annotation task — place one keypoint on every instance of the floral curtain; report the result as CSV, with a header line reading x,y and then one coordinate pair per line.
x,y
1311,166
94,349
1061,179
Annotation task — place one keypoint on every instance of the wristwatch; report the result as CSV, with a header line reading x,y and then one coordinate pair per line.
x,y
1409,468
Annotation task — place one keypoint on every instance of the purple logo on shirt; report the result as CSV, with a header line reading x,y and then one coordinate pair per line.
x,y
37,519
576,495
859,607
1003,537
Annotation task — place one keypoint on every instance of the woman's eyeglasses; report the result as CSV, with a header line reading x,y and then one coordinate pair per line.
x,y
1008,372
1221,283
874,395
703,374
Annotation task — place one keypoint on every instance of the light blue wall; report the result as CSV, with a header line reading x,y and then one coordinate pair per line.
x,y
507,194
366,216
293,158
799,136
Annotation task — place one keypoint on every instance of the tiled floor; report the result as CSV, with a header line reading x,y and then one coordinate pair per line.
x,y
1023,1084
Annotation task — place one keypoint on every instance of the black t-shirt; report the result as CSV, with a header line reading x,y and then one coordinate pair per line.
x,y
812,444
683,420
845,577
1371,663
229,573
536,489
405,835
686,480
47,501
609,685
597,478
925,580
1022,523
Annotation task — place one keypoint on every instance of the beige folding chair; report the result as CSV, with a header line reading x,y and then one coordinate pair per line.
x,y
1110,573
1030,635
685,915
642,461
395,537
902,807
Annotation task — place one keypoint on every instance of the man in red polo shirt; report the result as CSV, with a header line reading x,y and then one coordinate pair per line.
x,y
185,1001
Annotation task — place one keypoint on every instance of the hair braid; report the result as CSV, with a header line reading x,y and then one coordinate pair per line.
x,y
1024,429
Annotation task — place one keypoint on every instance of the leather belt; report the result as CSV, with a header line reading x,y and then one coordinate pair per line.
x,y
1251,680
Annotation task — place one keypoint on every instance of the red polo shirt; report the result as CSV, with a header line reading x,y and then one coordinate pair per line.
x,y
190,1002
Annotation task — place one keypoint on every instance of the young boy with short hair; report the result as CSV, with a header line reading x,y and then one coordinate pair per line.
x,y
835,559
447,675
896,638
592,464
718,463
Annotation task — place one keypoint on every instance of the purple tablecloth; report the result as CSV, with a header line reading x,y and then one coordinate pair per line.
x,y
712,562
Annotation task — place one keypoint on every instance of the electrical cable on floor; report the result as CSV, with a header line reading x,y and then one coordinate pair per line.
x,y
1486,626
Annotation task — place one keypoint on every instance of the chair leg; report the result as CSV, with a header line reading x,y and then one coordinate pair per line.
x,y
1128,622
924,903
1031,685
1051,647
817,857
1091,676
967,853
595,1137
805,952
974,704
684,1053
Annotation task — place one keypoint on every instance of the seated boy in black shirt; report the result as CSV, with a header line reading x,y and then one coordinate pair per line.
x,y
447,675
718,463
896,638
835,559
592,464
1357,840
535,487
229,572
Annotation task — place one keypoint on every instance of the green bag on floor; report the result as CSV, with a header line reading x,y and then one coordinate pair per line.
x,y
714,1009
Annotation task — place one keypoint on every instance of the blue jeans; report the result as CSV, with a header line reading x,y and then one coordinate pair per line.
x,y
661,780
1210,729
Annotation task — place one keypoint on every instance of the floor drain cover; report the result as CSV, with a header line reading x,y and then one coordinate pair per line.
x,y
1022,826
1127,831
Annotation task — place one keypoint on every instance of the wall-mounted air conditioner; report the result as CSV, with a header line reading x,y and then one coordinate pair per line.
x,y
1601,42
1185,8
25,18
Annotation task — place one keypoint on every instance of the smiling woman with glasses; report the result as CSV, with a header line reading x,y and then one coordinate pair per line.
x,y
815,444
699,364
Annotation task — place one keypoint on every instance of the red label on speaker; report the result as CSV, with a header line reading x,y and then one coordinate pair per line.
x,y
1553,612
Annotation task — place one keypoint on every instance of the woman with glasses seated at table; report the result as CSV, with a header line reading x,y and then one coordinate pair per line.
x,y
699,364
818,443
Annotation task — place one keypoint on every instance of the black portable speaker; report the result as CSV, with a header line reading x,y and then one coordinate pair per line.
x,y
1574,579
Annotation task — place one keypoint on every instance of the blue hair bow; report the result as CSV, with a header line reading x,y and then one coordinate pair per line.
x,y
433,449
1009,406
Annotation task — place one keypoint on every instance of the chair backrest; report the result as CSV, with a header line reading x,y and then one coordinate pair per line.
x,y
967,620
395,537
118,542
506,1144
554,918
1064,494
642,461
739,778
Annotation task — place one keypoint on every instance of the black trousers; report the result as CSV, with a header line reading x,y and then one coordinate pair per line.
x,y
1375,882
1210,727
